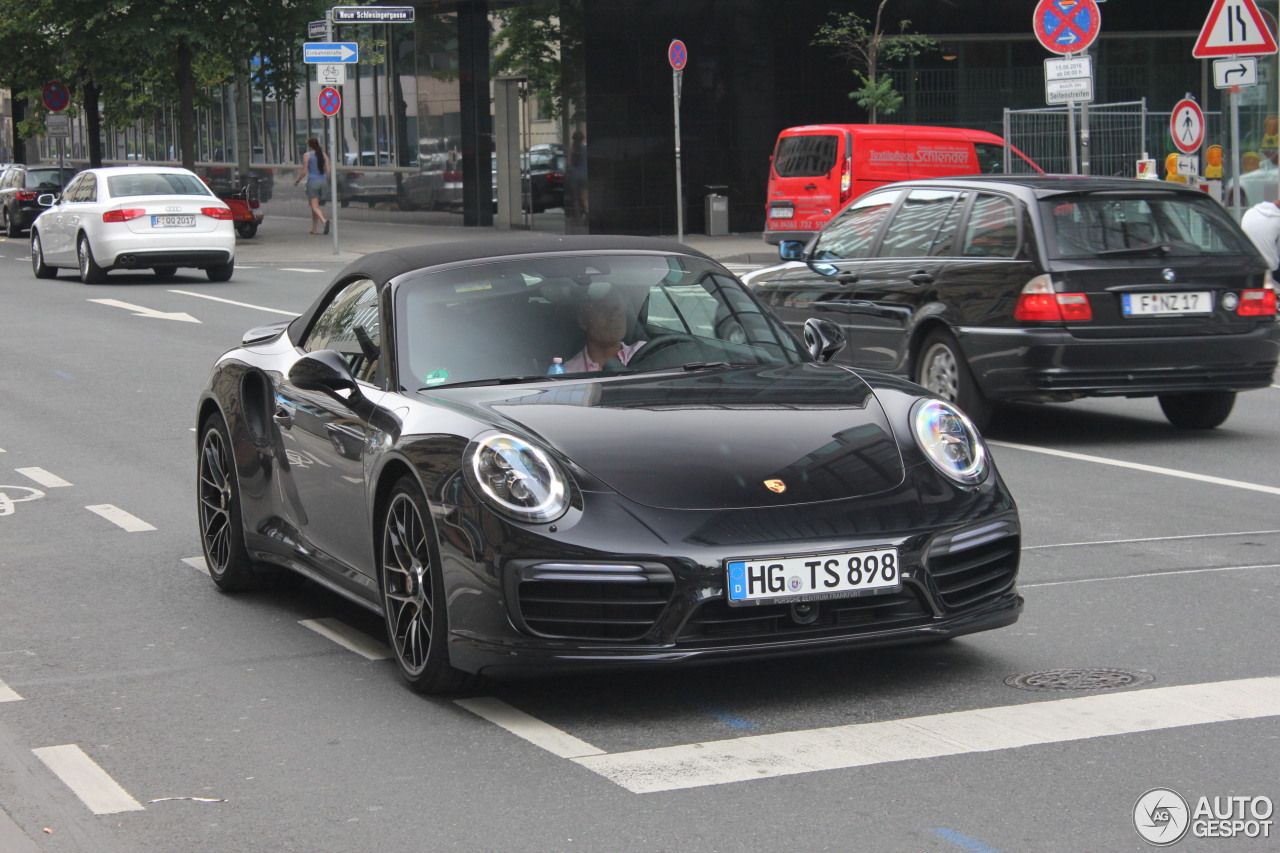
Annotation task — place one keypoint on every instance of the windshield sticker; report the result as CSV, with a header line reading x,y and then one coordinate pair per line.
x,y
472,287
436,377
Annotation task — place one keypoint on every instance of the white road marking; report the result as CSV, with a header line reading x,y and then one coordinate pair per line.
x,y
298,269
120,518
233,302
348,637
197,563
96,789
8,694
151,313
1153,575
43,477
538,733
863,744
1150,539
1137,466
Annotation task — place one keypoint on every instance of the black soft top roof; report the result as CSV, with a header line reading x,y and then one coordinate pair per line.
x,y
382,267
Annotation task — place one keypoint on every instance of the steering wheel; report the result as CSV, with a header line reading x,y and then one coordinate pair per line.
x,y
660,343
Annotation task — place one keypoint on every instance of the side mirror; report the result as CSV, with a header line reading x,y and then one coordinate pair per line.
x,y
823,338
323,370
791,250
46,199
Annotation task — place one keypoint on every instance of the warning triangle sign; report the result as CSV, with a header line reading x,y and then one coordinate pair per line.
x,y
1234,27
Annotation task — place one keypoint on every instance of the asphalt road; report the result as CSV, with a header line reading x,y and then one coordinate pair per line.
x,y
142,710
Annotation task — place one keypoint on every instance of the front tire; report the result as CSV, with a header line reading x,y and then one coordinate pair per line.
x,y
38,266
1198,410
218,504
90,272
413,601
221,272
10,229
942,369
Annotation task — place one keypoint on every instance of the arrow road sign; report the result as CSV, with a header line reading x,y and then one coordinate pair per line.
x,y
1235,72
331,51
1234,27
140,311
1186,126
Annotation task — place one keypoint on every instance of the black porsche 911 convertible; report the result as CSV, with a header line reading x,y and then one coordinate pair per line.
x,y
695,485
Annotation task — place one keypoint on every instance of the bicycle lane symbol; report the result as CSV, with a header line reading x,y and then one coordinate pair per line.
x,y
8,499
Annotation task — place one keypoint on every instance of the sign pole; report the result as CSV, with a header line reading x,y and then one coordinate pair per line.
x,y
675,92
1071,136
333,150
1234,97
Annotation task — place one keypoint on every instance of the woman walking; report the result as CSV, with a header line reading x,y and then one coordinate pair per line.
x,y
315,170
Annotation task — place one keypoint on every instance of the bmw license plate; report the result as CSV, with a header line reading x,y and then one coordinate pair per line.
x,y
813,577
1152,304
172,221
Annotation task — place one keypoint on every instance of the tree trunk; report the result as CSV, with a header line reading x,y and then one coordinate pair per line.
x,y
93,123
19,144
186,106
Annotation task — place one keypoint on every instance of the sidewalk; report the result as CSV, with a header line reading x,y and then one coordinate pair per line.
x,y
285,240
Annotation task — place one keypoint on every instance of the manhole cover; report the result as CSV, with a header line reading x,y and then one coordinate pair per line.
x,y
1077,679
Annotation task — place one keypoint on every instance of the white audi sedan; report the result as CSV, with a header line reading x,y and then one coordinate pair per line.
x,y
133,217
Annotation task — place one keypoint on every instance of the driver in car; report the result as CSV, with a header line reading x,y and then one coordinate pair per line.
x,y
605,322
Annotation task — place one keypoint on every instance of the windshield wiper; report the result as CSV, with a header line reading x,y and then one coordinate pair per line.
x,y
497,380
1148,249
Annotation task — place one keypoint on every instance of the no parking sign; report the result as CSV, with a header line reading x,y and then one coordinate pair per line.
x,y
329,101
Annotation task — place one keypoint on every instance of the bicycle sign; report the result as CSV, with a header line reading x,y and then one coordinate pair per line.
x,y
10,495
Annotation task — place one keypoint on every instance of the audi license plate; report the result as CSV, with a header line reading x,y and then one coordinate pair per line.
x,y
172,221
1151,304
813,577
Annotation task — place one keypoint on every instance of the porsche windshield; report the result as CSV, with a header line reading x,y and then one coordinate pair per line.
x,y
516,320
1105,225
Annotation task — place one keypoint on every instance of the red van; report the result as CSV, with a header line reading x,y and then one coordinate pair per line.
x,y
817,169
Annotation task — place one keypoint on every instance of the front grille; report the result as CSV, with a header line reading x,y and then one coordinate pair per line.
x,y
974,566
715,621
592,601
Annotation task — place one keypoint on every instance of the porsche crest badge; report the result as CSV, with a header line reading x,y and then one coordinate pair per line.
x,y
775,486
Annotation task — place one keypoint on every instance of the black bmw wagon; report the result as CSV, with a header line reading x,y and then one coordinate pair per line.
x,y
1041,288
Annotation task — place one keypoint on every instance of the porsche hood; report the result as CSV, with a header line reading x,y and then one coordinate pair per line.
x,y
718,439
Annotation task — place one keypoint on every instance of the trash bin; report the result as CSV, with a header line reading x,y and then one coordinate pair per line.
x,y
717,211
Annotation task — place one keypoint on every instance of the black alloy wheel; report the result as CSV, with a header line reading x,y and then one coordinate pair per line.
x,y
941,368
413,595
38,266
90,272
218,503
1198,410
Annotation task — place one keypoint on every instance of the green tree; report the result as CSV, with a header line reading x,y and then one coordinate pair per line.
x,y
865,46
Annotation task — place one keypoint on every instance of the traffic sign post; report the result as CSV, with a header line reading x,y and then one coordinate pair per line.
x,y
678,57
1068,27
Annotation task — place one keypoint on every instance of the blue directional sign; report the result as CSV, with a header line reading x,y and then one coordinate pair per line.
x,y
331,51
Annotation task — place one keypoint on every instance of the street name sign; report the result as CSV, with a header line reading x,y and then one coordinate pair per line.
x,y
1234,28
331,51
1242,71
317,29
372,14
1066,26
1186,126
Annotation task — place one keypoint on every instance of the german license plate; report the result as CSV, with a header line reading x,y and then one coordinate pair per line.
x,y
813,577
1152,304
781,212
172,221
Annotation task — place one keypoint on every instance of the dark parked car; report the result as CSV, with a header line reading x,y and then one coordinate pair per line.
x,y
21,186
725,493
1044,289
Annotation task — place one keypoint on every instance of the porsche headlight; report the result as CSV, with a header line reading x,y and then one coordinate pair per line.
x,y
516,478
950,441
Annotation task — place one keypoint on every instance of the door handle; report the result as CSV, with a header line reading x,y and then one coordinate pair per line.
x,y
283,419
920,278
811,186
